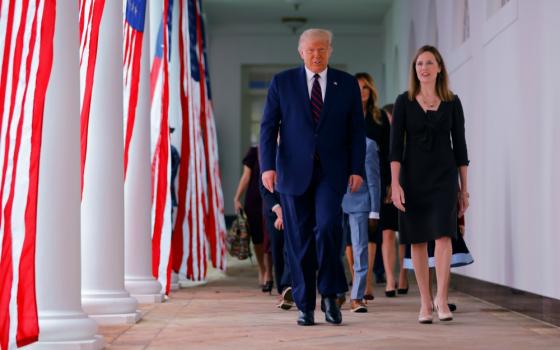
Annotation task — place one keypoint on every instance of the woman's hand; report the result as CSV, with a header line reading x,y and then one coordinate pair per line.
x,y
463,199
237,204
397,196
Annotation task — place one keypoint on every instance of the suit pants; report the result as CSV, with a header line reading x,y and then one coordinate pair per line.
x,y
313,238
359,232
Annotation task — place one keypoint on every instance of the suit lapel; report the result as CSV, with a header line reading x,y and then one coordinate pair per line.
x,y
304,93
330,94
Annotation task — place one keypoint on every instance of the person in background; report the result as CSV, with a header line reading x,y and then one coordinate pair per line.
x,y
429,173
249,185
389,221
362,207
272,212
175,162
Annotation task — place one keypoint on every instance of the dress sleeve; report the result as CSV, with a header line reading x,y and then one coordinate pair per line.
x,y
398,130
458,134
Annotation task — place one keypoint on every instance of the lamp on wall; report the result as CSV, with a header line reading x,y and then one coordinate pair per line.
x,y
294,23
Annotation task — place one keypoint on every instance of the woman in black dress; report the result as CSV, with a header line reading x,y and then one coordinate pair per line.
x,y
249,185
429,173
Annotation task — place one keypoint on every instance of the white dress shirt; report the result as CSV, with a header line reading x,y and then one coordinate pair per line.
x,y
322,81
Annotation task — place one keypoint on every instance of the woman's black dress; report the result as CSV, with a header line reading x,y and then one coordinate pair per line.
x,y
430,146
388,217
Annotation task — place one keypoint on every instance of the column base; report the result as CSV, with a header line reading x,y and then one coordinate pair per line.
x,y
117,319
144,290
96,343
148,298
189,284
67,331
110,307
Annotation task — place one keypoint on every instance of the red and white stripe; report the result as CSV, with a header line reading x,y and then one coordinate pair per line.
x,y
161,161
91,12
26,39
215,221
131,79
200,224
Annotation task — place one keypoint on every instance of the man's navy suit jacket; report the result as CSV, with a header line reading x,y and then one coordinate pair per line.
x,y
338,139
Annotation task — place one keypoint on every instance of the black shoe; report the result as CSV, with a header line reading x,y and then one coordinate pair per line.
x,y
452,307
390,293
267,287
332,312
306,318
402,290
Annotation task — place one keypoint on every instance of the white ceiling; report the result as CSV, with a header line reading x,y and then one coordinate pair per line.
x,y
235,12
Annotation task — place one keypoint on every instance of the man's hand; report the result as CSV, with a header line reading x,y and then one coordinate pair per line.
x,y
355,181
269,180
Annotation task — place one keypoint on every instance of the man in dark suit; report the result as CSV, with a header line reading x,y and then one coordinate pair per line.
x,y
318,113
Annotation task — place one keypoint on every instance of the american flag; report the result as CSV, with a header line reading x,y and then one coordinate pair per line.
x,y
134,17
200,220
91,12
26,44
160,150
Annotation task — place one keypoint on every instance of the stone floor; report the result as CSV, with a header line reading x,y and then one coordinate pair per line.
x,y
230,312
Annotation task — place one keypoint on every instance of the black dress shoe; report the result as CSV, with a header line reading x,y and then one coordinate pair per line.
x,y
332,312
452,307
267,287
306,318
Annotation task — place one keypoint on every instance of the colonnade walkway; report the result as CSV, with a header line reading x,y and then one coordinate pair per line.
x,y
230,312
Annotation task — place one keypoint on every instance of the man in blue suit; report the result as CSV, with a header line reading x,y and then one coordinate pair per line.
x,y
318,113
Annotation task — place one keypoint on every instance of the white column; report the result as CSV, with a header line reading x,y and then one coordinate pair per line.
x,y
62,323
139,281
103,295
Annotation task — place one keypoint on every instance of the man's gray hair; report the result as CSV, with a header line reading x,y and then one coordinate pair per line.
x,y
315,33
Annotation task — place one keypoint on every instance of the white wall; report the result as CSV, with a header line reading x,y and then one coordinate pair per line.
x,y
358,49
506,76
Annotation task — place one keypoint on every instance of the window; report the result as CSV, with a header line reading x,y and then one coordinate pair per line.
x,y
466,32
432,34
462,28
500,14
493,6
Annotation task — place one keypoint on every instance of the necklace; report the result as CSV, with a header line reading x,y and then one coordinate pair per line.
x,y
431,104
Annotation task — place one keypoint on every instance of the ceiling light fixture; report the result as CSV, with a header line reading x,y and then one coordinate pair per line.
x,y
294,23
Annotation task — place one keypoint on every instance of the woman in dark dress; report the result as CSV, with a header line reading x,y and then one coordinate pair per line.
x,y
388,221
249,185
429,173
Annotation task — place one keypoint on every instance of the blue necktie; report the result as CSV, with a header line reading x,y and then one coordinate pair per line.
x,y
316,99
